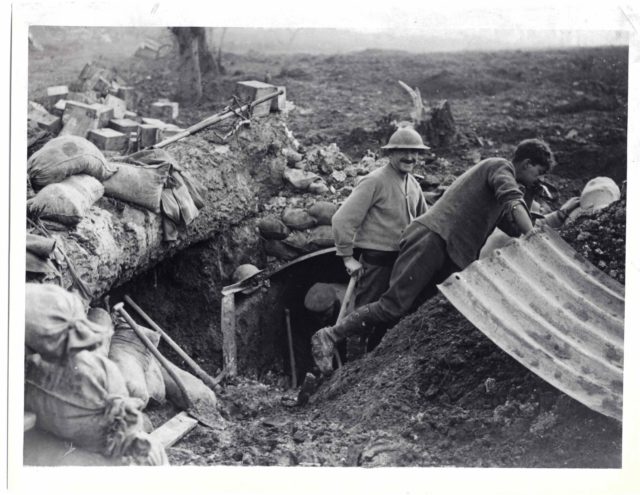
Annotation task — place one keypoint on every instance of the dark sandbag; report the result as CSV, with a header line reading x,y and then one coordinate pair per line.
x,y
298,219
84,400
271,227
323,211
137,184
64,156
311,240
56,324
66,202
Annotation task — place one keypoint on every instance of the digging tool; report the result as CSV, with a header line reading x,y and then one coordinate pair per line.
x,y
214,119
207,418
209,381
343,309
292,359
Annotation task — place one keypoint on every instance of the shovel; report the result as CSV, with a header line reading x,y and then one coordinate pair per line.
x,y
203,415
200,373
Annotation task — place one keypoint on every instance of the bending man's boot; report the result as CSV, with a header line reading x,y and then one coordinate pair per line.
x,y
324,340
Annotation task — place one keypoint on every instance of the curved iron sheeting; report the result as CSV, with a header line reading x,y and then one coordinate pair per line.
x,y
551,310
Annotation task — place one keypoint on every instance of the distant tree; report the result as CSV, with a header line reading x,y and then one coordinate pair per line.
x,y
195,61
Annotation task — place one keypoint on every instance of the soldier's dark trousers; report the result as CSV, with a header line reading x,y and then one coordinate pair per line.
x,y
423,263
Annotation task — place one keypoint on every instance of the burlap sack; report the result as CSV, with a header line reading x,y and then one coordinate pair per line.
x,y
139,185
84,400
66,202
56,324
65,156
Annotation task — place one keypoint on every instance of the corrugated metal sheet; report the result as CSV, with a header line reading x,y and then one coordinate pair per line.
x,y
551,310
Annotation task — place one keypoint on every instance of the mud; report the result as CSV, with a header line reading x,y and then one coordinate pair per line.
x,y
435,392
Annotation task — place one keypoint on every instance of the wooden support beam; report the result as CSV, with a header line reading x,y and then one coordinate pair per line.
x,y
228,327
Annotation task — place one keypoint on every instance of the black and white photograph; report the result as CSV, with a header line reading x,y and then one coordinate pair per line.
x,y
266,239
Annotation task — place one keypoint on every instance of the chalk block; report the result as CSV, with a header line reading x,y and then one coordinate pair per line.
x,y
170,130
167,110
128,94
58,108
48,122
38,114
119,106
124,125
54,94
109,140
155,122
95,110
130,115
148,135
249,91
279,104
79,118
102,85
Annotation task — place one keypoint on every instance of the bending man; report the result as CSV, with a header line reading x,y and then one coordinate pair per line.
x,y
446,238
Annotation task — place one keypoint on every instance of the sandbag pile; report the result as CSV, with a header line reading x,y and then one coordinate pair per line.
x,y
66,175
76,392
298,230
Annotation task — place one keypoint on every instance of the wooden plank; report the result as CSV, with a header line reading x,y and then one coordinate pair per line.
x,y
29,420
228,327
174,430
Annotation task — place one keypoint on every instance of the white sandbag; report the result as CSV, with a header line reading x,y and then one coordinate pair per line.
x,y
65,156
56,325
66,202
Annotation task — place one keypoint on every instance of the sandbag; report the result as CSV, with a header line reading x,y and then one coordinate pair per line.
x,y
138,184
56,325
66,202
65,156
323,212
84,400
202,396
297,218
271,227
133,358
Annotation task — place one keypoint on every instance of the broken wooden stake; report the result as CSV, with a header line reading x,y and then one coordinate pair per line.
x,y
174,430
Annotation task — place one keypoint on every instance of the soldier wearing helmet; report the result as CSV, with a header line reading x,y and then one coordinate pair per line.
x,y
373,217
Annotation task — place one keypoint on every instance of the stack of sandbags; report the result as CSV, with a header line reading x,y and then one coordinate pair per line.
x,y
67,173
298,230
76,392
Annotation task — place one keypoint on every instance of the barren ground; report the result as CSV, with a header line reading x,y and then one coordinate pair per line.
x,y
419,399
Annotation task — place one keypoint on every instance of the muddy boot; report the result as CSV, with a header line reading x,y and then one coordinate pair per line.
x,y
324,340
322,346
